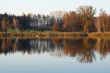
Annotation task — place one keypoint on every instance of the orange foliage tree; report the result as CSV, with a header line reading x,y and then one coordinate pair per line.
x,y
55,26
70,21
102,22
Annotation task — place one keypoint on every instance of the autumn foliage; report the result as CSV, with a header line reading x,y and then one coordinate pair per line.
x,y
55,27
70,21
81,20
103,22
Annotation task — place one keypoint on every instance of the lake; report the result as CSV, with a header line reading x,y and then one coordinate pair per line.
x,y
55,55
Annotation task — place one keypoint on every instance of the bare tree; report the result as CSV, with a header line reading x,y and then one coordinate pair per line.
x,y
86,14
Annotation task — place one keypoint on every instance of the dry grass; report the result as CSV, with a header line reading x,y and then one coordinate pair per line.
x,y
55,34
99,35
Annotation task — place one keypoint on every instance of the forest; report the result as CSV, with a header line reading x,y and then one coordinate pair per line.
x,y
84,19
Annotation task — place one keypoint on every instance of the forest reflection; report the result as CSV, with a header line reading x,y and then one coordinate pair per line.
x,y
84,49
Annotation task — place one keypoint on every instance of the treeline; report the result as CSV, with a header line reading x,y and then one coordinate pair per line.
x,y
81,20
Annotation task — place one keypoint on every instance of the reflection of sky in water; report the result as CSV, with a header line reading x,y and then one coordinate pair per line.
x,y
45,63
54,56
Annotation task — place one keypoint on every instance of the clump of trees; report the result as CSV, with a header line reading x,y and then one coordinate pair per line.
x,y
70,21
103,22
81,20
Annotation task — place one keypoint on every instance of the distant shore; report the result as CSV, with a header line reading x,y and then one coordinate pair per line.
x,y
54,34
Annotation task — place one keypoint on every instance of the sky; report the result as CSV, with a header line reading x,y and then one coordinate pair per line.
x,y
19,7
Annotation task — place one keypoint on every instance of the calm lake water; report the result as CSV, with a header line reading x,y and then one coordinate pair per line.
x,y
55,55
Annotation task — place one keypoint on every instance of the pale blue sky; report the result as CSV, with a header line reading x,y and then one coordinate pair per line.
x,y
46,6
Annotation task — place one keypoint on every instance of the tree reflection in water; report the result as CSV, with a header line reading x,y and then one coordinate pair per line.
x,y
83,48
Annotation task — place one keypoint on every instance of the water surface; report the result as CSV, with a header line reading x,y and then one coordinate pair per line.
x,y
83,55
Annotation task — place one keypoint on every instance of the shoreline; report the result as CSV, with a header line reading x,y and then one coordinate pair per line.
x,y
55,34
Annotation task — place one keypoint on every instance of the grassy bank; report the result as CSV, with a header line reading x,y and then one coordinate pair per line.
x,y
54,34
43,34
99,35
